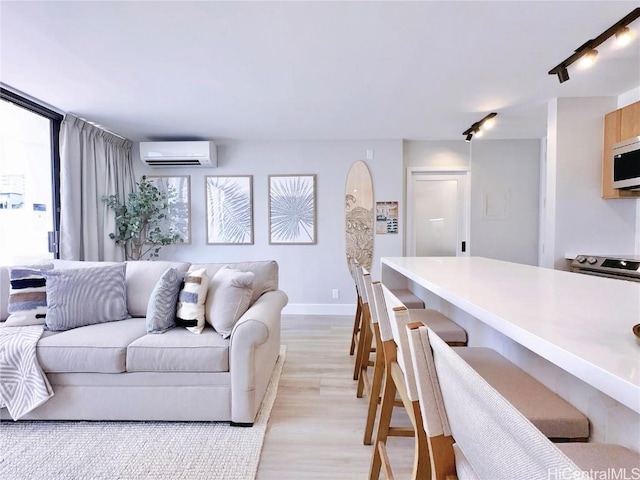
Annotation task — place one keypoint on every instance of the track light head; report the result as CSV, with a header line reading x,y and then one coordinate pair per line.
x,y
469,137
563,74
589,58
624,37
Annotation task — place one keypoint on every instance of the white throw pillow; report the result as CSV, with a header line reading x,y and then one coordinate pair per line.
x,y
229,297
191,301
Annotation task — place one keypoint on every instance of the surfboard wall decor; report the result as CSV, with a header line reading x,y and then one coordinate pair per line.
x,y
359,215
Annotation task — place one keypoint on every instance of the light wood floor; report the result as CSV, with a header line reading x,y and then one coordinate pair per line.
x,y
317,423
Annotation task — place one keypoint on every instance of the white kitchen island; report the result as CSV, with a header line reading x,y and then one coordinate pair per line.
x,y
571,331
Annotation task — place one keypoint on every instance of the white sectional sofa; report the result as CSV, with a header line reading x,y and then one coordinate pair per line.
x,y
117,371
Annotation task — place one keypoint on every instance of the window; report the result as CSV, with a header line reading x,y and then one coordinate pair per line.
x,y
29,185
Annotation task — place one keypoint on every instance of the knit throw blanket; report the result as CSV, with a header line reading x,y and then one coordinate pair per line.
x,y
23,384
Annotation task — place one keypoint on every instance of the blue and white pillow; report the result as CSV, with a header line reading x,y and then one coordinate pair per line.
x,y
161,310
191,301
85,296
27,295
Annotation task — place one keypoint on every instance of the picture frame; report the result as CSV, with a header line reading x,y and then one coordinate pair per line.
x,y
386,218
178,191
229,206
292,209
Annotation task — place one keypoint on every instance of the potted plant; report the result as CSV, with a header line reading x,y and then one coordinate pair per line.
x,y
141,223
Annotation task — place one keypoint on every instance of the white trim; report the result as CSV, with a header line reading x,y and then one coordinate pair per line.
x,y
319,309
412,170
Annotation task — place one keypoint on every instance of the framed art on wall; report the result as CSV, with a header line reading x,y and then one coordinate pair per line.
x,y
229,202
386,217
292,209
178,191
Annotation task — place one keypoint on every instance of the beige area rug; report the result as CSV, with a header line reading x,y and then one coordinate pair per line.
x,y
136,450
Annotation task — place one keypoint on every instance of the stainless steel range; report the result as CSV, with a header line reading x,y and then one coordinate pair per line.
x,y
623,268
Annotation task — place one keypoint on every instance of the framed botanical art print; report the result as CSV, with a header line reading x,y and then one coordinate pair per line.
x,y
178,191
229,202
292,209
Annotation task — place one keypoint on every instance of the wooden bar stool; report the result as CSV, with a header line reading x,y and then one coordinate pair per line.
x,y
364,337
474,432
555,417
448,329
398,376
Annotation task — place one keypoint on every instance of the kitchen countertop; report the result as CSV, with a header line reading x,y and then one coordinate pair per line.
x,y
581,323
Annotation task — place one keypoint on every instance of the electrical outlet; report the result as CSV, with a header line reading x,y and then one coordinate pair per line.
x,y
336,293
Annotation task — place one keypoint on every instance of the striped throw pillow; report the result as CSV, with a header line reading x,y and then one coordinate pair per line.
x,y
85,296
161,309
27,295
191,301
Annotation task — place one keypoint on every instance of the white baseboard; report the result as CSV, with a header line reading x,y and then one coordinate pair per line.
x,y
319,309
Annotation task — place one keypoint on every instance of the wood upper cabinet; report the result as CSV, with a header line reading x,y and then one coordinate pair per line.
x,y
618,125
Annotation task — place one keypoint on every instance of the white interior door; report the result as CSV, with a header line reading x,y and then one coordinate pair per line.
x,y
437,213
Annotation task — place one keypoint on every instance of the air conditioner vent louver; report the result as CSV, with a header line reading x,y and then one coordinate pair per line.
x,y
179,154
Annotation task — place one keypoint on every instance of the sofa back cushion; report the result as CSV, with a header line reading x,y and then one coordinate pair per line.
x,y
142,277
265,274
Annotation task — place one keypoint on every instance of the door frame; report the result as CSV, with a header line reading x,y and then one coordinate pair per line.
x,y
409,243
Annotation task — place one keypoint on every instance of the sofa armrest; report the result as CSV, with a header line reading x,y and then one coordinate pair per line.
x,y
253,351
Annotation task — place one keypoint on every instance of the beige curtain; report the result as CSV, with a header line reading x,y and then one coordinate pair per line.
x,y
93,163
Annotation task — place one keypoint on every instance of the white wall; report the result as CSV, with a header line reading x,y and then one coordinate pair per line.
x,y
505,171
496,166
578,220
308,273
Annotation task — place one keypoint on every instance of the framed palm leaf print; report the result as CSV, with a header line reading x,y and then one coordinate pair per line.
x,y
178,191
229,203
292,209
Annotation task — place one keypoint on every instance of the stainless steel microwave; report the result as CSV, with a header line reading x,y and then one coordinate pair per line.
x,y
626,164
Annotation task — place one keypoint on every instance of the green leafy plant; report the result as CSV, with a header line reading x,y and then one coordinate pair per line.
x,y
141,222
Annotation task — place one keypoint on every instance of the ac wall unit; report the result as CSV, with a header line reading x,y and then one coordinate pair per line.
x,y
179,154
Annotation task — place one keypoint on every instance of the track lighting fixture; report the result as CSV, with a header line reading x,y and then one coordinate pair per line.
x,y
478,128
587,52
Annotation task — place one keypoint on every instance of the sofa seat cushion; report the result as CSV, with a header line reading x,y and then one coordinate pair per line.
x,y
179,350
99,348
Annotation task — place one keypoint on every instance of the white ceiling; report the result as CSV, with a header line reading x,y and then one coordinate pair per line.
x,y
309,70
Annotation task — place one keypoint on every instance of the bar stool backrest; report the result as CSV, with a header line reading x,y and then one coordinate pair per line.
x,y
432,407
399,322
368,288
360,283
381,312
495,438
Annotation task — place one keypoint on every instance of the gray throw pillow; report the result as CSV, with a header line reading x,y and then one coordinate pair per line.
x,y
229,298
85,296
161,310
